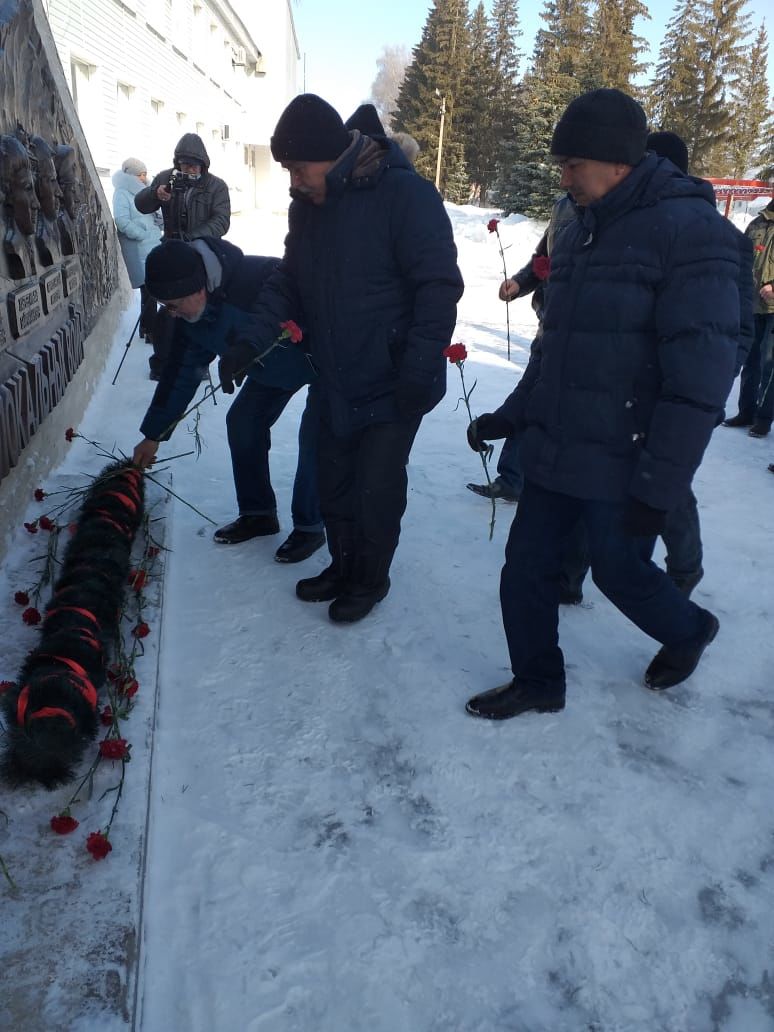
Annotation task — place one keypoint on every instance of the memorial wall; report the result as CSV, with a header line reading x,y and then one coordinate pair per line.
x,y
58,262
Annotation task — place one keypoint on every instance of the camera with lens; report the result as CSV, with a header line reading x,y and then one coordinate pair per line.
x,y
177,181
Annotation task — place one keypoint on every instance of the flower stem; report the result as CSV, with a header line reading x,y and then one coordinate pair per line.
x,y
507,307
466,398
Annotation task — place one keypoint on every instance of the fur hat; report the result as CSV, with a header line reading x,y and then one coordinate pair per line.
x,y
134,167
309,129
669,145
604,125
173,270
366,120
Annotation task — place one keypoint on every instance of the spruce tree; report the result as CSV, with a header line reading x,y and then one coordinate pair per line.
x,y
529,179
615,48
750,106
476,126
434,80
698,62
504,34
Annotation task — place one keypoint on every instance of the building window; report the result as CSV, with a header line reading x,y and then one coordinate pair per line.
x,y
84,85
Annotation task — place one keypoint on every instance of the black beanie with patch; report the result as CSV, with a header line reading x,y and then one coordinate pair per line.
x,y
366,120
174,270
604,125
669,145
309,129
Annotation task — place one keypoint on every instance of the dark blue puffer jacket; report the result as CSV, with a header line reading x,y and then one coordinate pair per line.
x,y
644,308
228,316
372,273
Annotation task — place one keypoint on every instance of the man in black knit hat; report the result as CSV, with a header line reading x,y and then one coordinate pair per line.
x,y
640,331
208,289
370,268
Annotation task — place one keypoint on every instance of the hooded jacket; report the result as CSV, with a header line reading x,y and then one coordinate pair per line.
x,y
647,300
202,209
234,283
138,234
372,273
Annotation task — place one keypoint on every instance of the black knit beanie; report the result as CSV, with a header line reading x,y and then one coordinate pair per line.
x,y
309,129
669,145
174,270
605,125
367,121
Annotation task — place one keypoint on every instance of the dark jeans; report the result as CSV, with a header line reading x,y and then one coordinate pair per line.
x,y
682,538
621,567
363,484
253,412
509,471
756,390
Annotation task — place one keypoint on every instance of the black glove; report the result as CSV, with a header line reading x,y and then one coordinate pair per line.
x,y
488,427
234,364
640,520
413,399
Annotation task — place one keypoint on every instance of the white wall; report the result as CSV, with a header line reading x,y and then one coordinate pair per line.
x,y
143,72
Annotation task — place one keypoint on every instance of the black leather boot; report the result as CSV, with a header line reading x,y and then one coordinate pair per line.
x,y
369,584
333,580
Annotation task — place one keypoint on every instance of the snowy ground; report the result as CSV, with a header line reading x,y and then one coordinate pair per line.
x,y
335,845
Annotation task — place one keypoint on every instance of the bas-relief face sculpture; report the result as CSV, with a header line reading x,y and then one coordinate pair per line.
x,y
47,185
17,183
66,170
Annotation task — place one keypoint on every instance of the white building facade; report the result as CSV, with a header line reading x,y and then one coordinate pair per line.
x,y
143,72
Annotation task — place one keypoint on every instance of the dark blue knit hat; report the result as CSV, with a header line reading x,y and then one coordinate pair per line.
x,y
309,129
174,270
604,125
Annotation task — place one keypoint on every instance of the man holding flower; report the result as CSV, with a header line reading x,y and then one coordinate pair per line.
x,y
370,266
209,288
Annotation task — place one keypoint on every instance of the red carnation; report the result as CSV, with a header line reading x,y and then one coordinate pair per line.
x,y
106,716
39,494
31,616
141,630
138,579
46,523
72,527
129,687
492,225
21,598
98,845
69,434
292,330
541,266
31,527
114,749
152,551
5,685
455,353
63,823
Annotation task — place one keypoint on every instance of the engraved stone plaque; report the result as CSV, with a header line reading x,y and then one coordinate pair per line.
x,y
25,309
72,276
53,290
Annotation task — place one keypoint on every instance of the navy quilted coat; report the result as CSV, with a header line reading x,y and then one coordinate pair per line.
x,y
645,304
372,275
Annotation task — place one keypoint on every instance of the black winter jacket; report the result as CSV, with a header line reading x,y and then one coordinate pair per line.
x,y
644,310
228,315
202,209
372,274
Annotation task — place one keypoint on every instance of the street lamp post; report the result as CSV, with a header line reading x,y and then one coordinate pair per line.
x,y
440,144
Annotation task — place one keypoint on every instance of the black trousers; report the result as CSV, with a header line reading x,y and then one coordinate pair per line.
x,y
163,335
363,484
148,312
